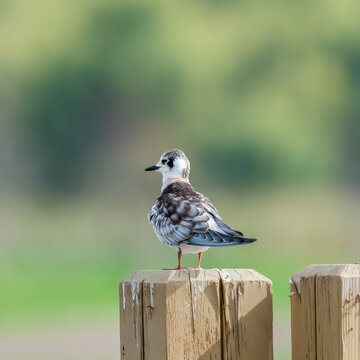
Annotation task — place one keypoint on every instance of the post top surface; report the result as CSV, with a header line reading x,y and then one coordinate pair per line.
x,y
343,270
334,270
225,275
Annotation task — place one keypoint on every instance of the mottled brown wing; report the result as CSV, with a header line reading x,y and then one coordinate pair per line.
x,y
175,218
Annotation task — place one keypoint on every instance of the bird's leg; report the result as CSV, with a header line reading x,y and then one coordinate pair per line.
x,y
179,259
179,262
199,261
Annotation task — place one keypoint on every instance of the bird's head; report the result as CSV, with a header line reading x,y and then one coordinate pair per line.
x,y
173,164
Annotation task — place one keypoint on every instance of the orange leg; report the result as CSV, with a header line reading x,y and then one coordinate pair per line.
x,y
179,259
179,262
199,261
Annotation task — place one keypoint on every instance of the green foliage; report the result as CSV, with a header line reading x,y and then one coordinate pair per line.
x,y
274,86
63,121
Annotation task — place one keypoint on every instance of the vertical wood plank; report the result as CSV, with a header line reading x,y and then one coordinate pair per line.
x,y
131,325
206,314
155,320
303,314
351,311
230,284
338,321
247,315
334,312
256,316
328,314
179,320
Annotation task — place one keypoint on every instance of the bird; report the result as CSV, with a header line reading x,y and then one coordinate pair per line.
x,y
184,218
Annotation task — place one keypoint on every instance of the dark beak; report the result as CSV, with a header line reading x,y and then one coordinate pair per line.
x,y
152,168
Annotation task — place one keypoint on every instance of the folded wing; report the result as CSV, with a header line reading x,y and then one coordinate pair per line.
x,y
183,216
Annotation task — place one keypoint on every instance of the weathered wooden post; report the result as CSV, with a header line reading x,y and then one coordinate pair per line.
x,y
325,313
196,314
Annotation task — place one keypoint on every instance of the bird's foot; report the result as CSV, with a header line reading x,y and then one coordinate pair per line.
x,y
177,268
183,268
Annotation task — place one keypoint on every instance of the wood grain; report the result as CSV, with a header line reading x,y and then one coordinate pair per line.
x,y
196,314
303,315
325,310
247,315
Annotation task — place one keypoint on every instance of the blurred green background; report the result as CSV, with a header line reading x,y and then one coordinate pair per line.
x,y
263,97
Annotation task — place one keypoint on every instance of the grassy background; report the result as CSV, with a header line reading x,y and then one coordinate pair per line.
x,y
62,264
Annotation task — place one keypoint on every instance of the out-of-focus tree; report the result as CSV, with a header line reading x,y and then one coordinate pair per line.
x,y
270,92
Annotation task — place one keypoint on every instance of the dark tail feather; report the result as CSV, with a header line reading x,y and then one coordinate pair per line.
x,y
212,238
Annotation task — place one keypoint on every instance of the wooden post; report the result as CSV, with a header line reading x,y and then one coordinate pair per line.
x,y
325,313
196,314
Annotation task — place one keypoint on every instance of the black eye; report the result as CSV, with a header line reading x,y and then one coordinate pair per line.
x,y
171,162
163,161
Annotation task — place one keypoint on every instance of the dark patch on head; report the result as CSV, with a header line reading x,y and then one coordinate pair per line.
x,y
174,154
171,162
